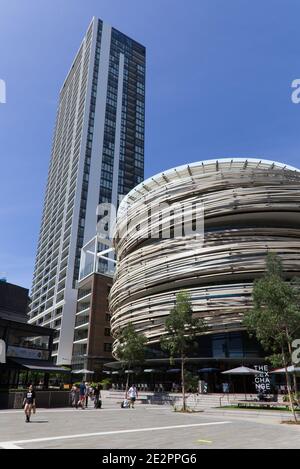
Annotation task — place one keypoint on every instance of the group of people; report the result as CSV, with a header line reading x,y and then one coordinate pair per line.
x,y
80,395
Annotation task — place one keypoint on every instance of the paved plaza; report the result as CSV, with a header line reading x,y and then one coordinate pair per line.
x,y
146,426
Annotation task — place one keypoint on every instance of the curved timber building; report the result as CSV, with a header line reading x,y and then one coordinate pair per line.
x,y
250,207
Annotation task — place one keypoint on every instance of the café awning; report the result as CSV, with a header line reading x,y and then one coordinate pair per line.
x,y
39,365
241,370
208,370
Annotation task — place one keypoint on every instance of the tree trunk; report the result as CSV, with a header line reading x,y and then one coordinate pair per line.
x,y
289,386
127,383
294,374
183,384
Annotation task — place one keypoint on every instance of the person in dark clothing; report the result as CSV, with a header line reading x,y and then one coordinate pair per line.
x,y
29,403
97,397
87,393
82,392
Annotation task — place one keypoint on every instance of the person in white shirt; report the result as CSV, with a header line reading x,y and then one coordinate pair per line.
x,y
132,394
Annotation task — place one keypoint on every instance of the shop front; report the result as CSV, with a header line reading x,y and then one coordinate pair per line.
x,y
25,358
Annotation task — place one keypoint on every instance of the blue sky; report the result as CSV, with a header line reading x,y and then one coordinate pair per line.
x,y
219,79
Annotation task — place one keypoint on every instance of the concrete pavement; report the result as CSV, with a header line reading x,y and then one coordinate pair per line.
x,y
146,426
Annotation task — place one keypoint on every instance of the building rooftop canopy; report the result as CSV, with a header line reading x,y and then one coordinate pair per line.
x,y
199,167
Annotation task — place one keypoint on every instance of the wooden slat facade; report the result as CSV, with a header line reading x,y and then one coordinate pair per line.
x,y
250,206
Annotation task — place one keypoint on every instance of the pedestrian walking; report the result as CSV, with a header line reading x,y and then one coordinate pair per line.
x,y
133,394
87,393
97,397
75,396
82,394
29,403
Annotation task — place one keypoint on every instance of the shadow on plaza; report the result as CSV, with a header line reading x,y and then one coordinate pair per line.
x,y
39,421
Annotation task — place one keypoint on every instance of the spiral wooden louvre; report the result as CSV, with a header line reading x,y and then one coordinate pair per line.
x,y
251,207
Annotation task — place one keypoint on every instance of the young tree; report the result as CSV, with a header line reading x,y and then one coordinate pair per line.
x,y
275,318
181,330
131,349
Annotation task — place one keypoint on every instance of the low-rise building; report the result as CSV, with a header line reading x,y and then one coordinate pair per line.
x,y
92,346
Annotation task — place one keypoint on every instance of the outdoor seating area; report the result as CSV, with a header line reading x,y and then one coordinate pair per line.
x,y
122,386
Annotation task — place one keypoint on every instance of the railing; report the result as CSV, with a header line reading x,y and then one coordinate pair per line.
x,y
86,271
83,293
82,320
80,336
83,306
105,269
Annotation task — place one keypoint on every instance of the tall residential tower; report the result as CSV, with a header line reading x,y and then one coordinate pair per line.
x,y
97,155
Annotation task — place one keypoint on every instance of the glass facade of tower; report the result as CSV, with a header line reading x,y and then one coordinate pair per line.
x,y
97,156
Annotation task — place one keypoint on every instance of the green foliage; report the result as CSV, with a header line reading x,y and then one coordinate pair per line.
x,y
295,397
181,328
105,383
275,317
275,359
191,381
131,349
